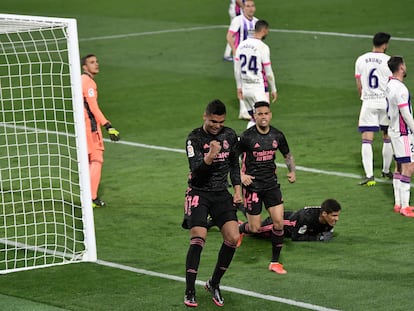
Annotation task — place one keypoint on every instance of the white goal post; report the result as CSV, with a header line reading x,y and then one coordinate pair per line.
x,y
46,215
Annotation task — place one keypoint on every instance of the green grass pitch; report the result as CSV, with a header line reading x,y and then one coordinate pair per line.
x,y
161,62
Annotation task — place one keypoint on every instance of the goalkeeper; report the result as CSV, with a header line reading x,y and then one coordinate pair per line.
x,y
94,120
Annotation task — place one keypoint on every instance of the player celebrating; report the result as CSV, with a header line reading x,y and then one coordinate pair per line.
x,y
211,156
94,119
253,70
258,146
401,131
372,74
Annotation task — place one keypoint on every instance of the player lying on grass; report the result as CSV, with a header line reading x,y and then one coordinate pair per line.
x,y
311,223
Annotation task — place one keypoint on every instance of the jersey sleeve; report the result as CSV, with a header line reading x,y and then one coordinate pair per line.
x,y
195,156
90,94
234,163
283,144
300,231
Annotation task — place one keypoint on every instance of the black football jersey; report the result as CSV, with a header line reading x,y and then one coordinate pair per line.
x,y
212,177
259,155
305,226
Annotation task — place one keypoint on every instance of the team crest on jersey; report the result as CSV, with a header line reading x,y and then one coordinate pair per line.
x,y
274,144
190,149
226,144
91,92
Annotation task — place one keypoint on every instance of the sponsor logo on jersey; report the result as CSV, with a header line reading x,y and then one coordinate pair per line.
x,y
91,92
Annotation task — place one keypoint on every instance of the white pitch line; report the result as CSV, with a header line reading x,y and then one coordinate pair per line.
x,y
298,168
293,31
226,288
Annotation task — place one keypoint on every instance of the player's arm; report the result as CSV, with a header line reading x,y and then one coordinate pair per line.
x,y
358,84
300,232
240,4
291,166
230,37
235,171
289,160
90,94
237,76
195,157
406,114
358,77
271,80
241,148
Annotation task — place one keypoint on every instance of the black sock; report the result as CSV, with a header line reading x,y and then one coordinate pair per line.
x,y
277,244
244,228
192,262
224,259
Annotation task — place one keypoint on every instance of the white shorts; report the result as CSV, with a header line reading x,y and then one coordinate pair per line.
x,y
252,96
372,119
403,148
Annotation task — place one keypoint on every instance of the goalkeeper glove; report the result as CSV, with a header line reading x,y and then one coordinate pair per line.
x,y
113,133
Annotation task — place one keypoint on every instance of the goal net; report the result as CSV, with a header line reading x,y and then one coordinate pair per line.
x,y
45,203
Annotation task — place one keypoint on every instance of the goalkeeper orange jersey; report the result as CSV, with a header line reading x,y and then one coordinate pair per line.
x,y
94,118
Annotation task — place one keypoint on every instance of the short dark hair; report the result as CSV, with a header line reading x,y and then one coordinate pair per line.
x,y
394,63
380,38
330,206
261,24
261,104
216,107
84,58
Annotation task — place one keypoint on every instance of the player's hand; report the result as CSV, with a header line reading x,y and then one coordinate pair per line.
x,y
274,97
215,148
246,179
113,134
240,94
237,196
291,177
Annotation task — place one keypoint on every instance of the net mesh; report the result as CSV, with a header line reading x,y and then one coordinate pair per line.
x,y
40,208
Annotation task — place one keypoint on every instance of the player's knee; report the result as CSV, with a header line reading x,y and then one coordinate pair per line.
x,y
278,225
233,239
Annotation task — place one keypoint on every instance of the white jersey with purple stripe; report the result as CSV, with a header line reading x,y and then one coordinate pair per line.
x,y
397,97
242,28
372,70
252,56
